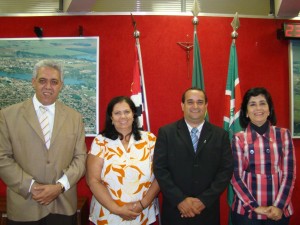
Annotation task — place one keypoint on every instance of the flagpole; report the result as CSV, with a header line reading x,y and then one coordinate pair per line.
x,y
197,77
136,34
232,101
235,24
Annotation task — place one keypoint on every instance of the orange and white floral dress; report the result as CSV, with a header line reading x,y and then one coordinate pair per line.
x,y
127,175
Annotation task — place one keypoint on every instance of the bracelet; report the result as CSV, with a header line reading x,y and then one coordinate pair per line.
x,y
142,205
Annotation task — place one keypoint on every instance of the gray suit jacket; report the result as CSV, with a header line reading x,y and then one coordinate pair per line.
x,y
183,173
24,156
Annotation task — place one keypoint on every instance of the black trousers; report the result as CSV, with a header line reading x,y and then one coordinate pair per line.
x,y
51,219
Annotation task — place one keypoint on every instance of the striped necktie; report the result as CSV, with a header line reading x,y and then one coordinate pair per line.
x,y
44,121
194,137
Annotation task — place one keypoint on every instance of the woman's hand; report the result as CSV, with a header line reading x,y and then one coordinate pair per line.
x,y
261,210
271,212
274,213
136,206
127,211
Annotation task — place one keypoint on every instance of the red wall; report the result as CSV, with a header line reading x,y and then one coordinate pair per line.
x,y
262,61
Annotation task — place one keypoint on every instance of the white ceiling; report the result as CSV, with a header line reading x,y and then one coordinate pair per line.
x,y
249,8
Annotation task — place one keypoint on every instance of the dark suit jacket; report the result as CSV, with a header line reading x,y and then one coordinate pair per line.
x,y
24,156
183,173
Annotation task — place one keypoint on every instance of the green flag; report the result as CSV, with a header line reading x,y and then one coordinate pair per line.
x,y
198,80
232,106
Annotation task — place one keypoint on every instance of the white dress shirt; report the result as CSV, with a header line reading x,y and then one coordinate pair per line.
x,y
51,114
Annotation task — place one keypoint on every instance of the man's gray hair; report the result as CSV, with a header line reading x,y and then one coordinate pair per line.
x,y
48,63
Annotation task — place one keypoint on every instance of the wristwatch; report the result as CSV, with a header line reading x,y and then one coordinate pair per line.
x,y
62,187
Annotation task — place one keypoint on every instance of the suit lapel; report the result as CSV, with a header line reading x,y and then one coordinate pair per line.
x,y
184,135
31,117
60,116
206,132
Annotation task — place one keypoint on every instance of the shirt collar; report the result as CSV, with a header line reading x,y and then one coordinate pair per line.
x,y
252,135
37,104
199,127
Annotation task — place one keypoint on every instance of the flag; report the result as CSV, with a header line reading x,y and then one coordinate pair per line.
x,y
138,88
233,98
198,80
136,91
232,106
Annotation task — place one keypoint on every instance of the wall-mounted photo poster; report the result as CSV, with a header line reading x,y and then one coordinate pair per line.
x,y
80,59
294,57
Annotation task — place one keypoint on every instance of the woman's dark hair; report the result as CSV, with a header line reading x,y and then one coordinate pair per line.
x,y
253,92
110,130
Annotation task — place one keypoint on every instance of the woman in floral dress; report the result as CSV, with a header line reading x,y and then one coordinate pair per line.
x,y
120,171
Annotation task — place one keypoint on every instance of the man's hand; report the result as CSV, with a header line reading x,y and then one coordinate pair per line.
x,y
45,193
33,190
190,207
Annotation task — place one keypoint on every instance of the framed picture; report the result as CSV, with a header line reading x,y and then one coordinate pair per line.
x,y
294,57
80,59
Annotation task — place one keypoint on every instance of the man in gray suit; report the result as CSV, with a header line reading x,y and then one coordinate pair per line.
x,y
192,174
41,177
